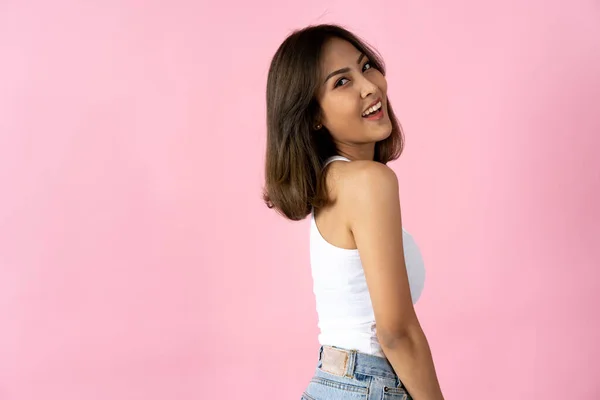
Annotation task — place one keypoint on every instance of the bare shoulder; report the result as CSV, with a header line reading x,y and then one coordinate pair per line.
x,y
371,172
362,183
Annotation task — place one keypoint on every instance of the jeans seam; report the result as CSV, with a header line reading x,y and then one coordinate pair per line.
x,y
340,385
306,396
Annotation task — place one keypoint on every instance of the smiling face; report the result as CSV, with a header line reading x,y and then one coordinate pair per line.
x,y
353,100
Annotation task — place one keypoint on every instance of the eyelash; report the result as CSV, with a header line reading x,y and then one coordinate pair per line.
x,y
341,79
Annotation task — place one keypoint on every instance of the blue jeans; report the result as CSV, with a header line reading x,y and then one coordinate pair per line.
x,y
350,375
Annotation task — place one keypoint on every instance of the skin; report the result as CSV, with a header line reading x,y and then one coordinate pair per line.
x,y
366,212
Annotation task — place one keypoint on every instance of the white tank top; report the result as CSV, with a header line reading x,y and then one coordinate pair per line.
x,y
344,308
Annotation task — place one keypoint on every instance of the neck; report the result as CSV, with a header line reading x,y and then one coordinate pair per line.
x,y
357,152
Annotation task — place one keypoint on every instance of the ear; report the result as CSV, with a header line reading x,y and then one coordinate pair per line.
x,y
318,119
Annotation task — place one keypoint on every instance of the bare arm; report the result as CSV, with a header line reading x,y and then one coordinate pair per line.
x,y
376,223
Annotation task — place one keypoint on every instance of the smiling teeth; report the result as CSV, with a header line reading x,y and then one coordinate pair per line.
x,y
372,109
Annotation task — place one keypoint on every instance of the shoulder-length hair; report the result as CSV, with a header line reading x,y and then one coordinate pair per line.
x,y
296,151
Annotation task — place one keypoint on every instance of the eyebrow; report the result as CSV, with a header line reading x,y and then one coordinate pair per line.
x,y
344,70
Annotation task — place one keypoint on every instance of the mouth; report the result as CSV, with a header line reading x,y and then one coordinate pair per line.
x,y
374,112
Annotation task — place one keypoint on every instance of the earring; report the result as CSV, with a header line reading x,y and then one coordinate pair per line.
x,y
319,126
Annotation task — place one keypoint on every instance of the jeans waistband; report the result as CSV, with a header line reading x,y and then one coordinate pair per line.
x,y
344,362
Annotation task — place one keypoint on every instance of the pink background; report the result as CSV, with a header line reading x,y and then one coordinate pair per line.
x,y
137,260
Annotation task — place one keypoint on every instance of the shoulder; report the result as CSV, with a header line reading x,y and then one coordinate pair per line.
x,y
370,172
361,188
361,181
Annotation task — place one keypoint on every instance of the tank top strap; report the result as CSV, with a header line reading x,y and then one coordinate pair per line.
x,y
327,162
335,158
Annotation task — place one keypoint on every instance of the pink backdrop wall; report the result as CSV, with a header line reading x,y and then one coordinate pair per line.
x,y
138,262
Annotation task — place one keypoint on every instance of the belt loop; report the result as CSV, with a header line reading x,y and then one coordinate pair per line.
x,y
351,364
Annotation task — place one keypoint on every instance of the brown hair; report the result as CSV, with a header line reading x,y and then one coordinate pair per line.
x,y
296,152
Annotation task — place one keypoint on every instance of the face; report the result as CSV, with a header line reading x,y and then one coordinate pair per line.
x,y
350,93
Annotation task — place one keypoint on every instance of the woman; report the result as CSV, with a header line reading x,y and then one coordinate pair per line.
x,y
331,131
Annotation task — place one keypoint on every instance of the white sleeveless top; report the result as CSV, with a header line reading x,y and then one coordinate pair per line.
x,y
344,308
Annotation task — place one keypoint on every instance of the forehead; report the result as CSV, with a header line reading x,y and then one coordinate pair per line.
x,y
338,53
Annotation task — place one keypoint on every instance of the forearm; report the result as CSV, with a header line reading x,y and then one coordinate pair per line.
x,y
410,356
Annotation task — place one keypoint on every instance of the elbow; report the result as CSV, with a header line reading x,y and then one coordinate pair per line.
x,y
391,337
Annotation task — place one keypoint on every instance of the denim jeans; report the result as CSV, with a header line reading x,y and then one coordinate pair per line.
x,y
355,376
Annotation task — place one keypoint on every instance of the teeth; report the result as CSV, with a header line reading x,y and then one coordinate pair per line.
x,y
372,109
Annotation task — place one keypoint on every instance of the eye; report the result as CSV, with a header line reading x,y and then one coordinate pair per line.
x,y
337,84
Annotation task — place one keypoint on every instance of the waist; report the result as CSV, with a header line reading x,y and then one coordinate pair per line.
x,y
363,342
344,362
359,334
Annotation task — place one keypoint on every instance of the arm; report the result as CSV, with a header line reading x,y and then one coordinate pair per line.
x,y
376,223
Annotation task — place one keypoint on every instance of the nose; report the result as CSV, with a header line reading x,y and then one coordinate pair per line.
x,y
367,88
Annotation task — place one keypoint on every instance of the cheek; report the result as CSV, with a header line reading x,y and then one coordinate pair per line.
x,y
381,82
339,109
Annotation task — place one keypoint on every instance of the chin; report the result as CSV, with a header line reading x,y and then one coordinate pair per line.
x,y
384,133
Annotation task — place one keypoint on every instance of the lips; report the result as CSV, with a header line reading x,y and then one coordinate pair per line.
x,y
371,105
374,112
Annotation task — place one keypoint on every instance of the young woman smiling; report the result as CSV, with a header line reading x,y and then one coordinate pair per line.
x,y
331,131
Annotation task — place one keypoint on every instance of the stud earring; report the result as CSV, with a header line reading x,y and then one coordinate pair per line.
x,y
319,126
